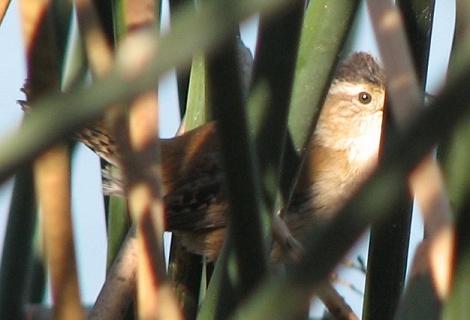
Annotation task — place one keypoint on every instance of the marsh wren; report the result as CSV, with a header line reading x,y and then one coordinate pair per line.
x,y
345,144
343,150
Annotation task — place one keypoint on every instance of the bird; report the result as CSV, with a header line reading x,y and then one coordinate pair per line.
x,y
342,152
345,145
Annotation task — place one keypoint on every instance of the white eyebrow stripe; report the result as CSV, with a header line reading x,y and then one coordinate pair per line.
x,y
347,88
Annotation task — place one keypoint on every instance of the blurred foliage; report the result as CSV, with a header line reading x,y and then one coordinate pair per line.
x,y
454,156
267,115
394,233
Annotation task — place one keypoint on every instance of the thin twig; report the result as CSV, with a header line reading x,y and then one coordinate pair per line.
x,y
334,302
119,287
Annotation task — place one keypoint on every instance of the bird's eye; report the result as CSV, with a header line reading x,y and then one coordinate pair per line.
x,y
365,97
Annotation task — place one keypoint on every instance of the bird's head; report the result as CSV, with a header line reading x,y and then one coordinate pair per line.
x,y
351,118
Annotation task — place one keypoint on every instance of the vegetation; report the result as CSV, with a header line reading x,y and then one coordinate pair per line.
x,y
299,45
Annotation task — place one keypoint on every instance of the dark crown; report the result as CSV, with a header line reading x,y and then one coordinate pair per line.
x,y
361,67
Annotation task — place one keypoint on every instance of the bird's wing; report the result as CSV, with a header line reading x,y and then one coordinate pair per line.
x,y
99,140
197,204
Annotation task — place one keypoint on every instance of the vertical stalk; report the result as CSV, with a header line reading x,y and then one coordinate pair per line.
x,y
17,250
453,154
384,289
